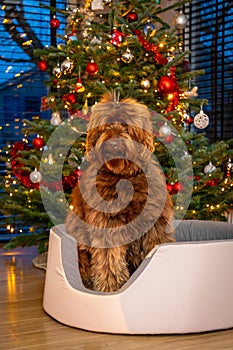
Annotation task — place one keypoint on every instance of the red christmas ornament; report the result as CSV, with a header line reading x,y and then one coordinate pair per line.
x,y
116,37
189,120
169,187
43,65
169,139
38,142
54,23
177,187
167,85
132,16
197,177
71,98
92,68
212,182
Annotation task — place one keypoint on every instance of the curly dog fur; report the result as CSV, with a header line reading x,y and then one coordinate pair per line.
x,y
115,224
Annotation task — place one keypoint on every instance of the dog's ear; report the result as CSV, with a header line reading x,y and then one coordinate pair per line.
x,y
148,144
90,145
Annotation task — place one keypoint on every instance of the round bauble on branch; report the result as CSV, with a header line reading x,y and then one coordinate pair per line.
x,y
180,20
165,130
92,68
54,23
132,16
209,168
35,176
201,120
57,71
71,98
167,85
43,65
67,66
145,83
38,142
127,56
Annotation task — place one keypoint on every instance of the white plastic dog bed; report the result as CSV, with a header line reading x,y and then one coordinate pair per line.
x,y
181,287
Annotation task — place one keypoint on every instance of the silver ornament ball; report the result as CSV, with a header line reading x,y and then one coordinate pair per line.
x,y
67,66
57,71
180,20
165,130
35,176
127,56
209,168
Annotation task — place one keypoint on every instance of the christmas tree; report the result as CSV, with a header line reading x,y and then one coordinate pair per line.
x,y
125,47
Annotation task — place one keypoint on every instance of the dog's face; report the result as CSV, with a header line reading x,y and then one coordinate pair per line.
x,y
120,135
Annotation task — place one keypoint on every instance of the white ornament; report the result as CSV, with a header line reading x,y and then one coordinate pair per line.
x,y
201,120
35,176
186,155
55,119
209,168
165,130
97,5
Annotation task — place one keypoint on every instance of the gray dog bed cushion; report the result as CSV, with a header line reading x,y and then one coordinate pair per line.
x,y
200,230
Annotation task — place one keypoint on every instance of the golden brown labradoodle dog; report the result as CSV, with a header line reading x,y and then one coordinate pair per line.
x,y
120,208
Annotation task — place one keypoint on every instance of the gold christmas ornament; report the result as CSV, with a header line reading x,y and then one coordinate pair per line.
x,y
145,83
67,66
57,71
127,56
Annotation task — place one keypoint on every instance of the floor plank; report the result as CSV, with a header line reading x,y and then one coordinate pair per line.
x,y
24,325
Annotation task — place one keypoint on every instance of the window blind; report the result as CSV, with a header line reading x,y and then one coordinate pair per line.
x,y
210,39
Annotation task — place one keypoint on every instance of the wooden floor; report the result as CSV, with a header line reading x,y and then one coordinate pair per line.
x,y
24,325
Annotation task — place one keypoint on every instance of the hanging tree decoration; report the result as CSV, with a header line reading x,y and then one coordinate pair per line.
x,y
145,83
107,2
57,72
79,86
54,23
97,5
38,142
165,130
55,119
127,56
201,120
35,176
228,168
209,168
67,66
92,68
43,65
180,20
132,16
149,29
117,37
